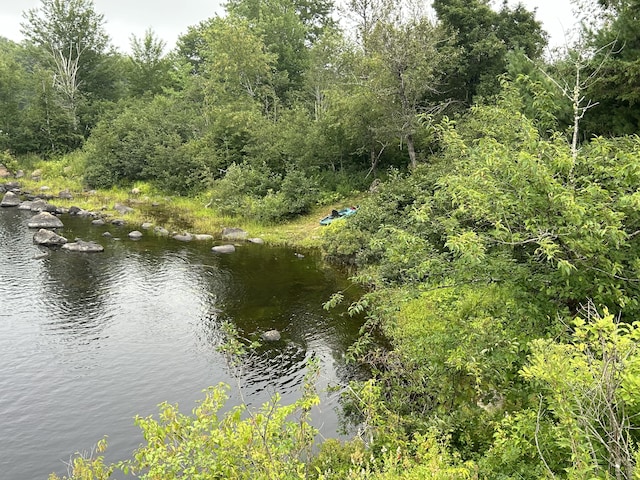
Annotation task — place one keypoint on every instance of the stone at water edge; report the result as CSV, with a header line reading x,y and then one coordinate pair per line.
x,y
48,238
45,220
234,234
10,199
135,235
184,237
82,246
202,237
223,249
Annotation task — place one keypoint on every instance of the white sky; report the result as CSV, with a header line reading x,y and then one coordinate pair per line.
x,y
170,19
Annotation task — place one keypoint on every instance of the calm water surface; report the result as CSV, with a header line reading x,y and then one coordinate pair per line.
x,y
88,341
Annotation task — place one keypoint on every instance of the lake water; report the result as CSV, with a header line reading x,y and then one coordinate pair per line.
x,y
88,341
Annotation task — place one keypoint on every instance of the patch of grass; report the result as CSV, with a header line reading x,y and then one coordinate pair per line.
x,y
181,214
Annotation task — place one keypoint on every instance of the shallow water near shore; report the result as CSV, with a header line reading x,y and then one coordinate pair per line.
x,y
88,341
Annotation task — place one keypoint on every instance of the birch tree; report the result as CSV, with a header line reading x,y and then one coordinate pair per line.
x,y
71,35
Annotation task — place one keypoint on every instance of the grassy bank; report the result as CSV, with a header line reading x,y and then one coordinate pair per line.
x,y
176,214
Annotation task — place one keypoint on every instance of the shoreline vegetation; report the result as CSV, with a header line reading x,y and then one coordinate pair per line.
x,y
177,214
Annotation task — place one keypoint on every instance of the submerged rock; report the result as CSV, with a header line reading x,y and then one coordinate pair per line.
x,y
223,249
82,246
271,336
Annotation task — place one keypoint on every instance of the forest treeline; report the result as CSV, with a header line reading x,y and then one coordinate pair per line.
x,y
498,243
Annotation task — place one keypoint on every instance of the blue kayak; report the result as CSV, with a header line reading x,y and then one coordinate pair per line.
x,y
338,214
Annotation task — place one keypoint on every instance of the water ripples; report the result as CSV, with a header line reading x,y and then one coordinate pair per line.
x,y
87,341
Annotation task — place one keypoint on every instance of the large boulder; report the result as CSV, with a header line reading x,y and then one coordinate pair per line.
x,y
48,238
82,246
10,199
45,220
223,249
234,234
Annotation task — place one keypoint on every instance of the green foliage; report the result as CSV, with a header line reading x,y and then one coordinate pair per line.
x,y
484,37
267,443
146,141
591,388
148,71
257,193
89,465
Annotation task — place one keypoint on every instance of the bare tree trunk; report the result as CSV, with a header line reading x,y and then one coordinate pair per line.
x,y
413,163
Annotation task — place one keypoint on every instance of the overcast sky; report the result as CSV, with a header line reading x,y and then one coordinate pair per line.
x,y
170,18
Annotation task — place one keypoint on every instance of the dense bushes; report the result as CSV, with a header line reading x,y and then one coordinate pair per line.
x,y
500,241
146,141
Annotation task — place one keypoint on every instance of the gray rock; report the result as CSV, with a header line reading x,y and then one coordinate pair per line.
x,y
65,194
147,225
163,232
135,235
271,336
202,237
48,238
257,240
26,205
184,237
45,220
223,249
82,246
10,199
40,205
40,256
98,222
234,234
44,188
118,222
36,174
107,235
122,209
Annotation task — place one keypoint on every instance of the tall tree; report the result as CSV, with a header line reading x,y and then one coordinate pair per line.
x,y
72,36
484,37
616,41
408,60
149,67
287,28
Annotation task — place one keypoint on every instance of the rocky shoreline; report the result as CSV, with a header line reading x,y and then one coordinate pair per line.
x,y
46,220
